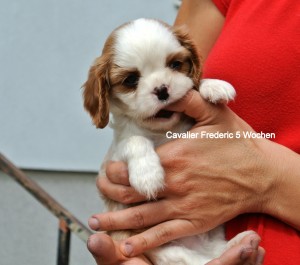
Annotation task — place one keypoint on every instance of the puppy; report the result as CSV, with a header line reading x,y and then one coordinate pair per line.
x,y
145,66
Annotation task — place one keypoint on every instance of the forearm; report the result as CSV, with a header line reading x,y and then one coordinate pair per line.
x,y
204,22
283,196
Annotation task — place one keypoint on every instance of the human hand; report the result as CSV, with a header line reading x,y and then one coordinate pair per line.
x,y
208,181
107,252
247,252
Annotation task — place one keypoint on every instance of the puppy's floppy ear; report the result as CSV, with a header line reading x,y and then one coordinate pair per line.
x,y
181,33
96,91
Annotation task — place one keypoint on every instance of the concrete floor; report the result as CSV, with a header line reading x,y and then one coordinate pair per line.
x,y
29,232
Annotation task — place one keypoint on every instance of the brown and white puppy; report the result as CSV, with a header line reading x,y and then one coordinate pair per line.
x,y
145,66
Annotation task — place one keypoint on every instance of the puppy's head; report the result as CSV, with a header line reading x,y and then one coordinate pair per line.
x,y
145,66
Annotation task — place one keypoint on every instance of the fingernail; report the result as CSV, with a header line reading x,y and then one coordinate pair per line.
x,y
128,249
94,223
91,243
246,253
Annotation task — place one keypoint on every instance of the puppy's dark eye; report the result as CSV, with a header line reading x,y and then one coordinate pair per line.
x,y
131,80
175,65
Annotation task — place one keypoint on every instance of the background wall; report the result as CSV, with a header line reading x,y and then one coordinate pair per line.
x,y
29,232
46,48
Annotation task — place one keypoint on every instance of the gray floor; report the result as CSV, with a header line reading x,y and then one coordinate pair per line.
x,y
28,231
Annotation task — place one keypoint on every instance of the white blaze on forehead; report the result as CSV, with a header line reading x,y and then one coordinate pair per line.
x,y
143,43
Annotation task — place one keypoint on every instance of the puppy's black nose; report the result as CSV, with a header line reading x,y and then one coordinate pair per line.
x,y
161,92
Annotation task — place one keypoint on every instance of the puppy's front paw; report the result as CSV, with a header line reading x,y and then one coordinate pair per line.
x,y
146,176
217,91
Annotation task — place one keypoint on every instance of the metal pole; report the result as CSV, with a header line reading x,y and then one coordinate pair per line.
x,y
43,197
63,250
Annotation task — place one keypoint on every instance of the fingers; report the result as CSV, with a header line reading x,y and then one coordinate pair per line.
x,y
115,184
260,256
156,236
117,172
132,218
247,252
193,105
107,252
240,256
120,193
104,250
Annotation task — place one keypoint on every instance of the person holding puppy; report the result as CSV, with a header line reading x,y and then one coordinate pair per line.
x,y
253,46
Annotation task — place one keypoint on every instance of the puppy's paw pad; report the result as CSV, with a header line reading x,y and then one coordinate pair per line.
x,y
217,91
146,177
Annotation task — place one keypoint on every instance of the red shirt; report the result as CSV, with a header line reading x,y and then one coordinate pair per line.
x,y
258,52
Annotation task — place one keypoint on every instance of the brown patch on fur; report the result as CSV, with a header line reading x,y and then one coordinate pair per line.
x,y
117,77
95,93
184,57
96,88
185,40
182,35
